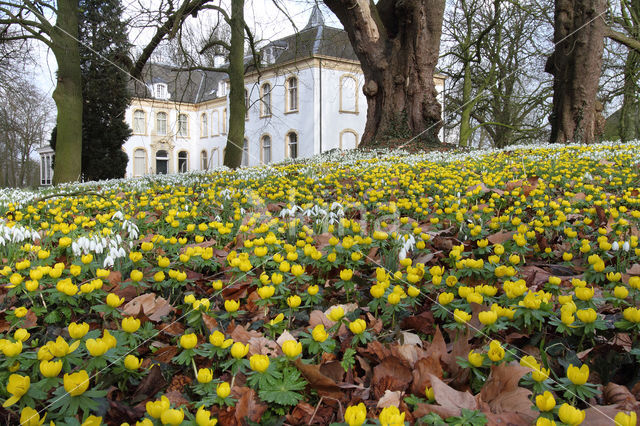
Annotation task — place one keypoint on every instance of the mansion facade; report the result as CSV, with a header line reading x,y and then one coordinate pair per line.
x,y
305,99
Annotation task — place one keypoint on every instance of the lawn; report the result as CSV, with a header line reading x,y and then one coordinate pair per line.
x,y
487,287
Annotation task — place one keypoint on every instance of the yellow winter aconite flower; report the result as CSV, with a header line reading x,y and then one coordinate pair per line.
x,y
114,301
11,349
291,348
496,351
570,415
475,358
130,324
621,292
231,305
131,362
358,326
78,331
487,317
319,333
188,341
587,315
203,418
355,415
20,312
461,317
60,348
391,416
50,368
92,421
346,274
223,390
335,314
31,417
624,419
294,301
205,375
545,402
17,386
578,376
97,347
266,291
157,407
259,363
543,421
239,350
76,383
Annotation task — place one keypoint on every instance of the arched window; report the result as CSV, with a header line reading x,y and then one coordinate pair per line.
x,y
265,105
204,164
292,145
139,122
215,123
162,162
245,153
246,104
183,125
204,125
348,94
266,149
224,121
161,123
348,139
292,94
183,161
215,157
139,162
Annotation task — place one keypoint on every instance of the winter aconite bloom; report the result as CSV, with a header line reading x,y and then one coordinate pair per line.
x,y
291,348
335,314
157,407
188,341
545,402
205,375
259,363
130,324
358,326
496,351
624,419
239,350
113,300
475,358
319,333
231,305
571,415
76,383
131,362
50,368
355,415
17,386
78,331
578,376
223,390
31,417
391,416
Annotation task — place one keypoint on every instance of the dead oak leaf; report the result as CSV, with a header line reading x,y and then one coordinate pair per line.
x,y
450,398
325,386
502,393
248,406
154,307
390,374
421,372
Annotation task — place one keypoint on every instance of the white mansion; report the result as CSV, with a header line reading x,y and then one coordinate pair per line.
x,y
306,99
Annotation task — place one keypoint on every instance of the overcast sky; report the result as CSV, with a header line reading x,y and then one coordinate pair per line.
x,y
266,20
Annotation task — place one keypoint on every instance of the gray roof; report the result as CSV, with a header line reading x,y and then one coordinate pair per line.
x,y
316,39
183,86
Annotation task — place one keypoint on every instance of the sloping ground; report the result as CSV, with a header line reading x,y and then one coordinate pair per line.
x,y
345,288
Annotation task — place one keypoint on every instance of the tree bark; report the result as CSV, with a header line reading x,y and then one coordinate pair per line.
x,y
397,43
67,94
237,109
576,65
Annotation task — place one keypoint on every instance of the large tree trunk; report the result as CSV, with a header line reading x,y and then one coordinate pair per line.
x,y
68,94
576,65
630,113
237,109
397,43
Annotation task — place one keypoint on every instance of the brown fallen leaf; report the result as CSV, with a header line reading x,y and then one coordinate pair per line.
x,y
600,415
421,372
500,237
150,385
502,393
263,346
620,395
324,385
444,412
241,334
166,354
154,307
390,374
450,398
248,406
389,399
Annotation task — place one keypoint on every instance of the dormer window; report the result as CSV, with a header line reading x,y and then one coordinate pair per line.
x,y
222,88
160,91
269,56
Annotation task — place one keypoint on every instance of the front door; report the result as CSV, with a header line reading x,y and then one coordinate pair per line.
x,y
162,162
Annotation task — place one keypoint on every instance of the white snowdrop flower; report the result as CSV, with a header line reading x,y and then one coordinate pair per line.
x,y
402,254
615,246
108,261
92,246
626,246
121,252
